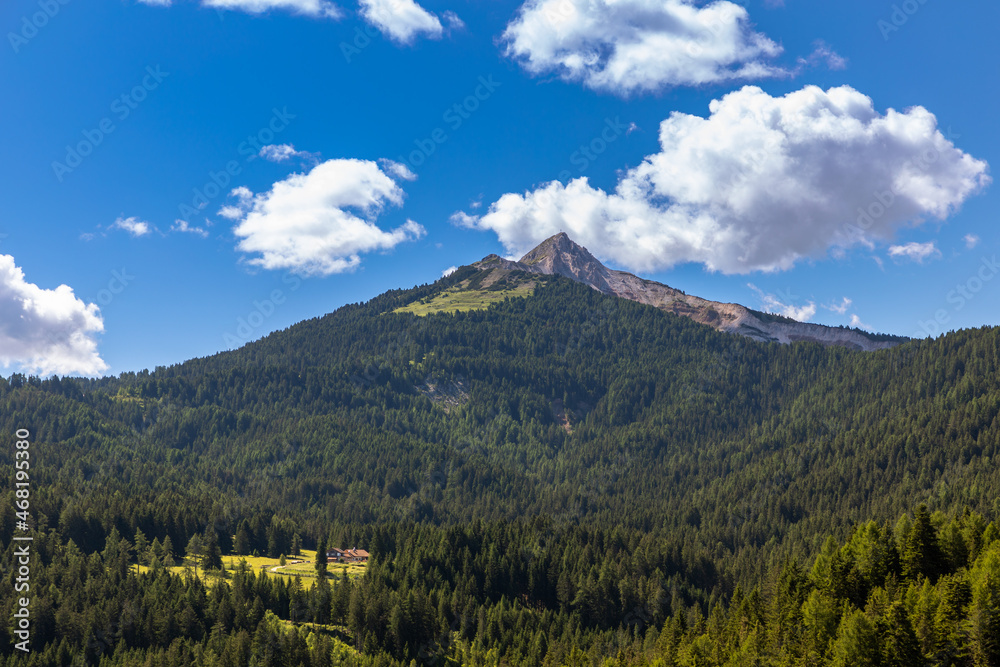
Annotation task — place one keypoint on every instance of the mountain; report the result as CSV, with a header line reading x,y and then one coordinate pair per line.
x,y
544,473
560,255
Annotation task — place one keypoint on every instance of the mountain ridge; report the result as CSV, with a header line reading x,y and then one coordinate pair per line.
x,y
560,255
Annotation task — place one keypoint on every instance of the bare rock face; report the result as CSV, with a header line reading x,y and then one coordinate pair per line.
x,y
560,255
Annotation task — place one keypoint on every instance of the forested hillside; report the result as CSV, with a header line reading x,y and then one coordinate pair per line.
x,y
556,479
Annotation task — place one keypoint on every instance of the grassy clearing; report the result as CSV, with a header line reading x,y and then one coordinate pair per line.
x,y
452,300
271,566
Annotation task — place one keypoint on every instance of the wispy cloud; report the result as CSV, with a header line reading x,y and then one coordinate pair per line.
x,y
133,226
183,227
916,252
782,305
312,8
285,152
856,322
840,308
823,56
404,20
398,169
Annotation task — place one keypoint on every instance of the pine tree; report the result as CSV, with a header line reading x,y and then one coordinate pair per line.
x,y
169,555
111,546
273,541
921,552
321,560
857,643
984,613
297,603
195,548
242,544
213,555
141,547
820,615
899,645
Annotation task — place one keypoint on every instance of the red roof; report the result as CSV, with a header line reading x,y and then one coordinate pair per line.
x,y
349,554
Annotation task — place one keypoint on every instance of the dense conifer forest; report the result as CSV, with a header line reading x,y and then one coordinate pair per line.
x,y
563,479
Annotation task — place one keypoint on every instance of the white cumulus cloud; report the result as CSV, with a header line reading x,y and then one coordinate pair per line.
x,y
320,222
971,241
628,46
403,20
46,331
758,185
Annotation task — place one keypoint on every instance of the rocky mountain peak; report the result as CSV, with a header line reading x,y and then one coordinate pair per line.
x,y
560,255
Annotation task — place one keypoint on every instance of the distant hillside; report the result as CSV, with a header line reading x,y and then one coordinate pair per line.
x,y
567,403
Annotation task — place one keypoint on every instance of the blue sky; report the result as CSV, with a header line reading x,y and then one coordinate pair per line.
x,y
175,228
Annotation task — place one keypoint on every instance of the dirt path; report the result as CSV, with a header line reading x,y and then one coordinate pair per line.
x,y
287,563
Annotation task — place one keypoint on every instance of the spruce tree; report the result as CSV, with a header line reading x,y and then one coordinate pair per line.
x,y
141,547
169,555
242,544
195,548
213,555
321,558
921,552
